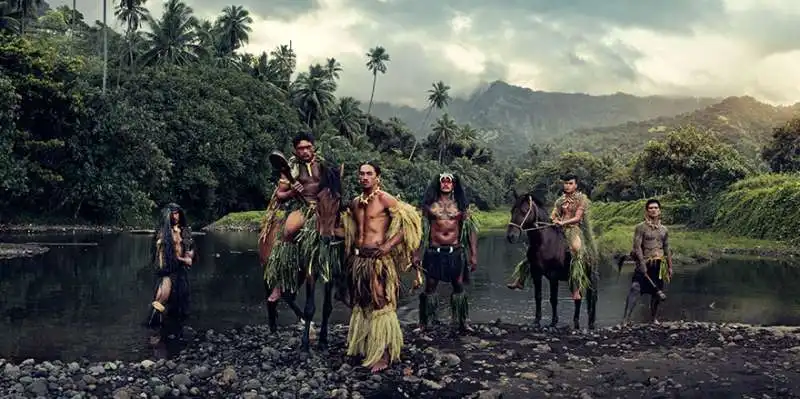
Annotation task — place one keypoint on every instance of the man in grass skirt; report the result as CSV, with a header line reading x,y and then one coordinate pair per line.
x,y
449,248
653,259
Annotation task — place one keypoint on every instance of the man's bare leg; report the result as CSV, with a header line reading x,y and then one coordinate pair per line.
x,y
516,285
163,291
275,295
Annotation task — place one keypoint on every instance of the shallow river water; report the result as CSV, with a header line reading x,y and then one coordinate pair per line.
x,y
89,301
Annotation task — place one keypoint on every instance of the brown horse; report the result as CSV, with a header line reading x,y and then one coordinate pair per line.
x,y
548,255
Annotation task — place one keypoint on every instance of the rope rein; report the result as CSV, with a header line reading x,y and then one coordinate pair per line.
x,y
537,225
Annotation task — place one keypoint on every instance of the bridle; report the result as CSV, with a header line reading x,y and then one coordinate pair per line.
x,y
537,225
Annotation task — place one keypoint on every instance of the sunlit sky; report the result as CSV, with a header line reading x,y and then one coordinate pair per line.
x,y
642,47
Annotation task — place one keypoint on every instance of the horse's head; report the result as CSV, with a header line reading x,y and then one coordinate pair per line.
x,y
524,215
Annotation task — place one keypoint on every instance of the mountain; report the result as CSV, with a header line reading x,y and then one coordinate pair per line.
x,y
512,117
743,122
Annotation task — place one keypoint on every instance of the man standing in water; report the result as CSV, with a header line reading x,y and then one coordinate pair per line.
x,y
653,260
381,236
570,212
448,232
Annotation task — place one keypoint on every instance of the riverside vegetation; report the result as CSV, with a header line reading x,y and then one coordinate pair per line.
x,y
186,116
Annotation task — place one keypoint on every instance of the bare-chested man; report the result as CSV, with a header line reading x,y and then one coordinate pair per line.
x,y
450,232
653,260
381,235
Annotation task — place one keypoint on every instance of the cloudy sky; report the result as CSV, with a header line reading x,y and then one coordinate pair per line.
x,y
643,47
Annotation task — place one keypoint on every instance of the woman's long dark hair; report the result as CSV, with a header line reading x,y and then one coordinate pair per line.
x,y
170,258
432,194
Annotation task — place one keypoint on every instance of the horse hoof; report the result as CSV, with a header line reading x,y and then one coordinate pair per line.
x,y
537,324
591,326
554,324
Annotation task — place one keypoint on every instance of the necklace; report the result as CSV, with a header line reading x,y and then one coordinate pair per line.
x,y
364,200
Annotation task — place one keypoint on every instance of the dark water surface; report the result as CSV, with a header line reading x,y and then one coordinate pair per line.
x,y
90,301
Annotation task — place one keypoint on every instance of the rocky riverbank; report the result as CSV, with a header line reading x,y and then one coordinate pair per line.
x,y
497,360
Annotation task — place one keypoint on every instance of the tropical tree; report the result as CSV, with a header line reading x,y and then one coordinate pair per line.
x,y
284,63
233,28
444,133
438,97
347,117
313,95
172,38
132,13
377,59
332,68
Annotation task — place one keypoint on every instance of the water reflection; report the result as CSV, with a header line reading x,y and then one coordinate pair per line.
x,y
90,301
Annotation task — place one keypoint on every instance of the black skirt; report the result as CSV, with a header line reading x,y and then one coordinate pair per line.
x,y
653,270
446,264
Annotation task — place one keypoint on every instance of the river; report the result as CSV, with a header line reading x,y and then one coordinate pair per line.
x,y
89,301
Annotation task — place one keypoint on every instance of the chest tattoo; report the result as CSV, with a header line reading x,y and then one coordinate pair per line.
x,y
445,210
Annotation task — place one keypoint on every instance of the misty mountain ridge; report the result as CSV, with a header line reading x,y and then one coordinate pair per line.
x,y
743,122
512,117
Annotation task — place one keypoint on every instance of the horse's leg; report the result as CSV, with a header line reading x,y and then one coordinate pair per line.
x,y
576,316
591,298
553,299
536,276
272,309
327,308
290,299
308,311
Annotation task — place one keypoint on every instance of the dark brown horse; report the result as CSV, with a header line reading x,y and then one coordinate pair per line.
x,y
548,255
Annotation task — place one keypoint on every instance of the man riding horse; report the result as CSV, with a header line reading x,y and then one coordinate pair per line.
x,y
297,240
561,249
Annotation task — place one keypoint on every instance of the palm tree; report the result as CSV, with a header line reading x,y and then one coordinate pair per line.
x,y
312,94
284,62
132,13
8,19
438,97
444,131
234,28
347,117
333,67
172,39
378,57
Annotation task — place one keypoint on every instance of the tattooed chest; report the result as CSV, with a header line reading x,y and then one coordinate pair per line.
x,y
445,210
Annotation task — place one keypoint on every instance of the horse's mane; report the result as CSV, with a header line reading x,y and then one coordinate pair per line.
x,y
330,178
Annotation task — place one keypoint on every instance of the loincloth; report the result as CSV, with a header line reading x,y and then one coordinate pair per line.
x,y
446,263
654,271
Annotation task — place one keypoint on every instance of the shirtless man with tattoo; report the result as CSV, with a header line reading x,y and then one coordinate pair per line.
x,y
449,248
653,259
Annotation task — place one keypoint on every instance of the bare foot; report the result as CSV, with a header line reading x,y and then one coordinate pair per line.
x,y
516,285
466,328
656,322
576,295
276,294
419,329
381,364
